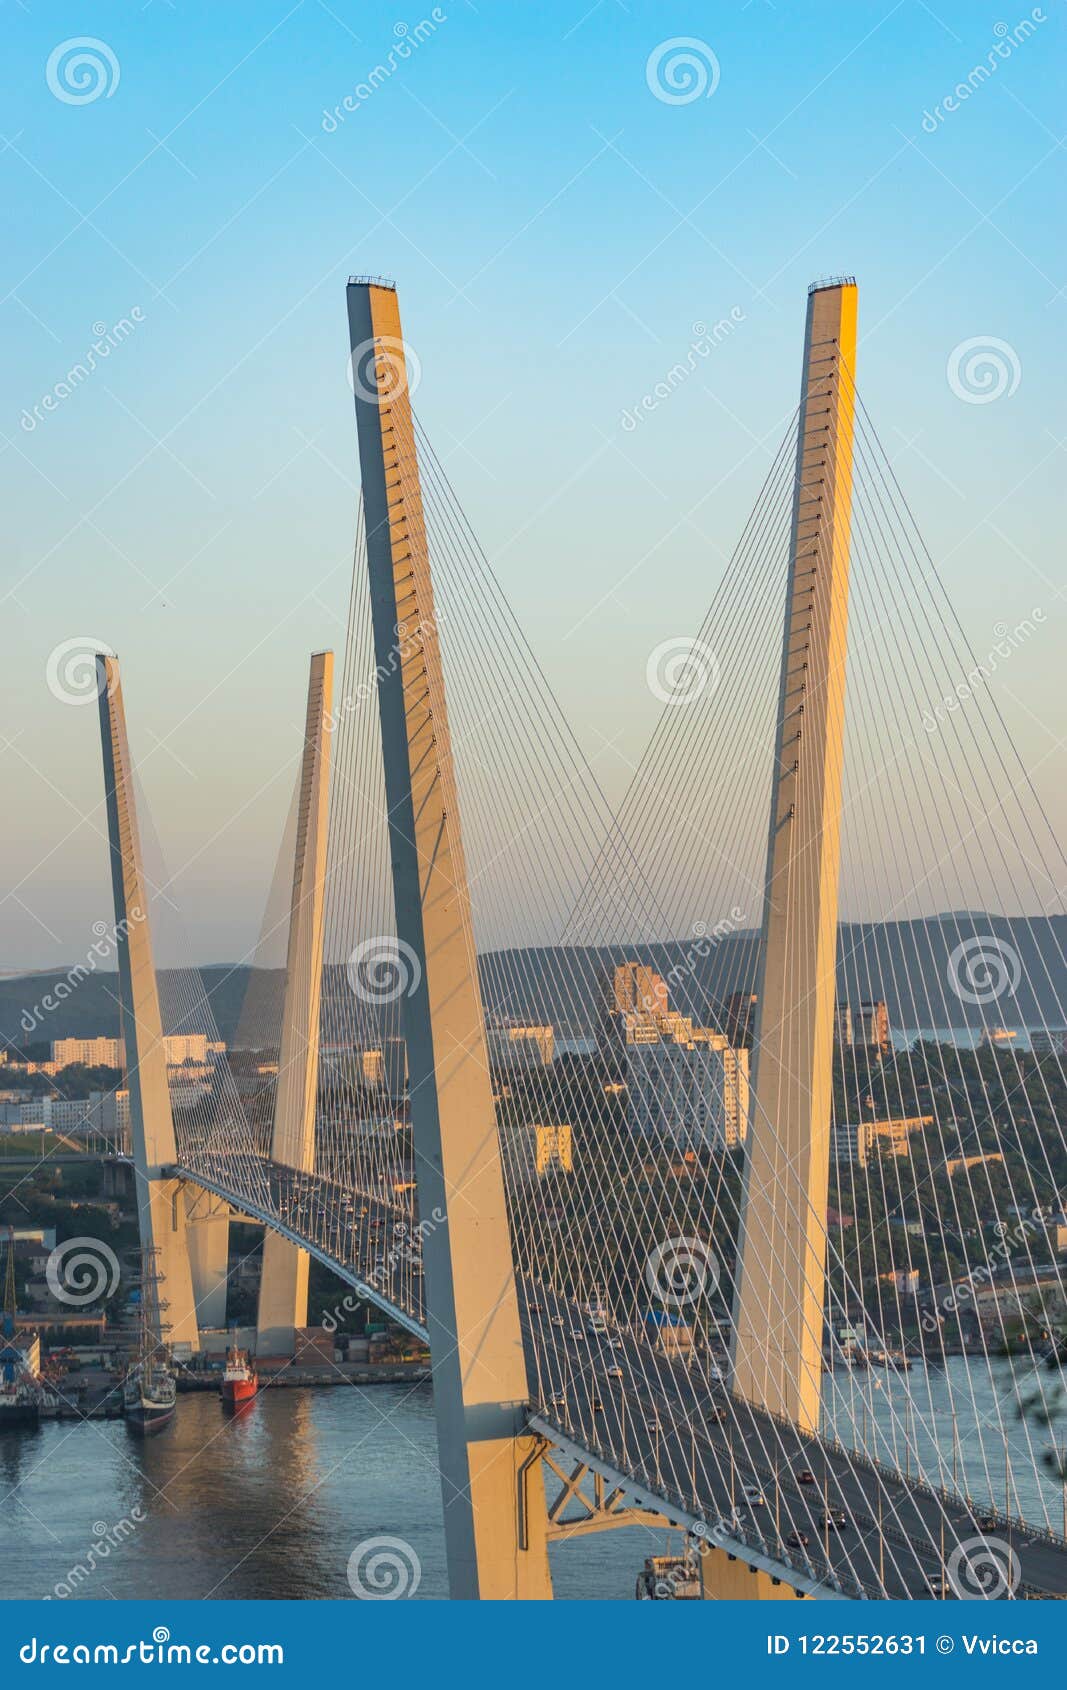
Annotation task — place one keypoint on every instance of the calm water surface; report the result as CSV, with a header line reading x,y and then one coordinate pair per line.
x,y
270,1503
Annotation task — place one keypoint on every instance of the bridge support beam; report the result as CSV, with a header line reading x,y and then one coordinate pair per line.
x,y
207,1233
283,1286
778,1315
160,1204
726,1579
494,1506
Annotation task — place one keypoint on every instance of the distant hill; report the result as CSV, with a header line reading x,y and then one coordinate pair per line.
x,y
909,964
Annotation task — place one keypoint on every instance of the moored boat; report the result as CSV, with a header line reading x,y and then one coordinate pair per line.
x,y
240,1380
149,1391
20,1402
20,1390
149,1397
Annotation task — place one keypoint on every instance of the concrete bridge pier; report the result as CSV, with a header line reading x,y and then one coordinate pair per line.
x,y
725,1579
207,1233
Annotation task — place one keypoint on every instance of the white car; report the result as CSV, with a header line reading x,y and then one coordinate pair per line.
x,y
615,1373
752,1495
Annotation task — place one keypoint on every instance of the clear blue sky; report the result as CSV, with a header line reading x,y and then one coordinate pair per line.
x,y
555,229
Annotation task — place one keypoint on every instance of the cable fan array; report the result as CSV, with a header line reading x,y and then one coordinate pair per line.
x,y
618,956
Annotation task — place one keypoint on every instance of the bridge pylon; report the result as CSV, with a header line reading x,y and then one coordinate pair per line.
x,y
161,1210
283,1286
494,1504
778,1311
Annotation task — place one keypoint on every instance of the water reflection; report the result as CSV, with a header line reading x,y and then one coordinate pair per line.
x,y
268,1502
959,1425
271,1501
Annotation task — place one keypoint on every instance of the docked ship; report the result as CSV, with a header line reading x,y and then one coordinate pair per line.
x,y
670,1578
20,1400
20,1390
149,1394
149,1391
240,1380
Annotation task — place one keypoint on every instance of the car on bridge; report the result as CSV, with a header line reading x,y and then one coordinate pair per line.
x,y
938,1586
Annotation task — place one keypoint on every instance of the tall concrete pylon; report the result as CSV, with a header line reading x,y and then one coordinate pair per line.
x,y
160,1202
283,1287
778,1312
494,1506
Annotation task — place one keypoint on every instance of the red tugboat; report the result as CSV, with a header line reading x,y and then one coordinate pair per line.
x,y
240,1381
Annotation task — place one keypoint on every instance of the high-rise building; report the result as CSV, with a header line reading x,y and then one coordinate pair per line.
x,y
739,1018
843,1025
692,1094
685,1084
637,989
532,1151
870,1025
381,1067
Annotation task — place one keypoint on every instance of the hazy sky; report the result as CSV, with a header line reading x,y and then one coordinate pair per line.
x,y
556,227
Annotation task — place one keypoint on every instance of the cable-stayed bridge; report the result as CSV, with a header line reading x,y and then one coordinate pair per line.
x,y
682,1219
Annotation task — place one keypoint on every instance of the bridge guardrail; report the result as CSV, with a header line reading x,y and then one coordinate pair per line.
x,y
1012,1523
815,1568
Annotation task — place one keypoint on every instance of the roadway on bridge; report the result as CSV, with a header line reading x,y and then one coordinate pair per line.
x,y
659,1422
647,1416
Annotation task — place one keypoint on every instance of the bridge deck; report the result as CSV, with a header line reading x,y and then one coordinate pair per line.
x,y
643,1417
